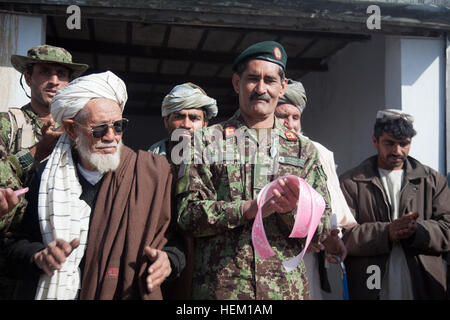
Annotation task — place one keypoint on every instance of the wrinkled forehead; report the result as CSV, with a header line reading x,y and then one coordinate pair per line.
x,y
257,67
386,137
287,109
102,109
189,112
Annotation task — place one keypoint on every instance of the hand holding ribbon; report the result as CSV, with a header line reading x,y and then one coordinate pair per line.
x,y
311,206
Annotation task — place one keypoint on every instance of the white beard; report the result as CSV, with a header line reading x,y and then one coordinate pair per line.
x,y
102,162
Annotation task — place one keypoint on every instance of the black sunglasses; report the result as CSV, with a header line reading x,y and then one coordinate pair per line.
x,y
100,130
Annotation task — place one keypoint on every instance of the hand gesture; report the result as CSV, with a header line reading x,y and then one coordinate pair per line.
x,y
403,227
49,139
334,246
52,257
8,200
159,268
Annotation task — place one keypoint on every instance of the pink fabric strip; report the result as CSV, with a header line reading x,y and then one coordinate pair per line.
x,y
311,206
21,191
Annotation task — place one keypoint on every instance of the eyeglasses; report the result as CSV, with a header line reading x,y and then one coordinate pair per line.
x,y
100,130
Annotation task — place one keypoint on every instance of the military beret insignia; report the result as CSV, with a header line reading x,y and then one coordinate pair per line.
x,y
277,53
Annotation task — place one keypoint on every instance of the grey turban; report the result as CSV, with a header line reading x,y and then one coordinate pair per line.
x,y
295,94
69,100
185,96
394,114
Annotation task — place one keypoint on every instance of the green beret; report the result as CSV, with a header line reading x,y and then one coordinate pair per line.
x,y
267,50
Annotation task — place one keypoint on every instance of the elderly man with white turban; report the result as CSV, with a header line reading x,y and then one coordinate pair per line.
x,y
185,107
289,110
98,211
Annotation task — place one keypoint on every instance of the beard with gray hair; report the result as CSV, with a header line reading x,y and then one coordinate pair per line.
x,y
102,162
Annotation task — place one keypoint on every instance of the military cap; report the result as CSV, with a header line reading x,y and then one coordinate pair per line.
x,y
267,50
48,54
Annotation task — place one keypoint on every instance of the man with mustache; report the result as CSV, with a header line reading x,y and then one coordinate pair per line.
x,y
98,212
217,199
30,132
27,133
403,212
187,108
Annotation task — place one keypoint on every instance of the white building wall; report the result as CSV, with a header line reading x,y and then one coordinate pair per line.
x,y
341,109
342,103
423,96
401,73
19,33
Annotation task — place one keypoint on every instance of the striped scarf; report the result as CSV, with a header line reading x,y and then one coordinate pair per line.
x,y
62,215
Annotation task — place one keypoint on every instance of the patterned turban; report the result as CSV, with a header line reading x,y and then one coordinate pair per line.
x,y
188,96
295,94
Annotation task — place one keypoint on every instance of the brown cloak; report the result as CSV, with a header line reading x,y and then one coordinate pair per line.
x,y
132,211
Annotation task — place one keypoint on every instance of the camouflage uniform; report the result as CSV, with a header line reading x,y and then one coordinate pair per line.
x,y
210,197
12,135
8,222
9,179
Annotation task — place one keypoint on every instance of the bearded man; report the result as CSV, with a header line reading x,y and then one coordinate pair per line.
x,y
98,211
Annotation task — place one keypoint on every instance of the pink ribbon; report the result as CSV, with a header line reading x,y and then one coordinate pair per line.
x,y
21,191
311,206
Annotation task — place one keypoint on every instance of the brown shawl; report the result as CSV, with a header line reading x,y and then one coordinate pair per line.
x,y
132,210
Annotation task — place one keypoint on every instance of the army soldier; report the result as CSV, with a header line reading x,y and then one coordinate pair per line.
x,y
29,132
217,199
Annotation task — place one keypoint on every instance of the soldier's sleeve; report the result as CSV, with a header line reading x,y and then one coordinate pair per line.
x,y
202,208
9,179
316,178
5,129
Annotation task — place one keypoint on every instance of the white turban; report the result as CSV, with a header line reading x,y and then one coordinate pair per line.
x,y
69,100
295,94
185,96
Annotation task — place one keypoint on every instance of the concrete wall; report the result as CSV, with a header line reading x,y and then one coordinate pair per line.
x,y
19,33
423,96
342,103
341,108
401,73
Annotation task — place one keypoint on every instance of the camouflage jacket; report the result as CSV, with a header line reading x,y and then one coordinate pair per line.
x,y
12,137
10,221
210,197
9,178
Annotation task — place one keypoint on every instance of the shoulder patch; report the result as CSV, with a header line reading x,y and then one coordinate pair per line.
x,y
229,131
290,135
